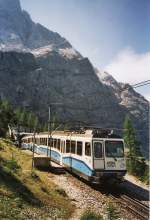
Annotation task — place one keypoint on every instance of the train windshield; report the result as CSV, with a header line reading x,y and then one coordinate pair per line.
x,y
114,149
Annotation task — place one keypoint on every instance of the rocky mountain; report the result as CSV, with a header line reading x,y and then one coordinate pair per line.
x,y
35,82
19,32
126,95
39,67
135,103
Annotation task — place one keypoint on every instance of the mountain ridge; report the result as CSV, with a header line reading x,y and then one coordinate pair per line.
x,y
19,32
41,67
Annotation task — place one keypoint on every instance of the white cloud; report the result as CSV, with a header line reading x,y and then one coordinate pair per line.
x,y
130,67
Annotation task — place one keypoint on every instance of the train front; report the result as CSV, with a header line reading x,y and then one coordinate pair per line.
x,y
109,159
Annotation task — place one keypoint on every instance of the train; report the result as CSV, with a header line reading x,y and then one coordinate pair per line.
x,y
92,154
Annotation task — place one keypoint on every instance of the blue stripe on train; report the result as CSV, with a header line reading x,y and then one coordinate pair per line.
x,y
55,155
78,165
75,163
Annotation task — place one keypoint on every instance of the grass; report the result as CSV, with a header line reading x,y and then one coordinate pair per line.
x,y
112,212
26,193
90,215
139,169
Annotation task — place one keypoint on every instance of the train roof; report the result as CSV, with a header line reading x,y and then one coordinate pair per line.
x,y
91,133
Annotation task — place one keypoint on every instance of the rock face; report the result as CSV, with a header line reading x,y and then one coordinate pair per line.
x,y
136,104
36,82
39,67
10,5
19,32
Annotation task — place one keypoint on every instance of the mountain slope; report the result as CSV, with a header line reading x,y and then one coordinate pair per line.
x,y
19,32
38,81
39,67
136,104
31,194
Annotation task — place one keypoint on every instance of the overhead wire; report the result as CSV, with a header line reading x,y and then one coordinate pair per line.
x,y
140,83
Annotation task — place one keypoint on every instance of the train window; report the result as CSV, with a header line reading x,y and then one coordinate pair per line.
x,y
79,148
48,141
114,149
98,150
58,144
73,147
62,146
88,149
55,143
38,141
51,142
67,146
45,142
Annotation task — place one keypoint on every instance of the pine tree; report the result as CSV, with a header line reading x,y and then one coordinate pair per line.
x,y
6,116
130,138
135,163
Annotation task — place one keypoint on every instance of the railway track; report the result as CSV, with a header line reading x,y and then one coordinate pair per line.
x,y
134,206
140,210
137,208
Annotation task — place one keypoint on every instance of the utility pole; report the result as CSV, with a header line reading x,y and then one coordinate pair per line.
x,y
49,132
50,128
33,150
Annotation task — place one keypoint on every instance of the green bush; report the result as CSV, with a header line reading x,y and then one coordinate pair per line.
x,y
12,165
61,192
146,175
1,148
112,212
44,190
90,215
138,168
35,176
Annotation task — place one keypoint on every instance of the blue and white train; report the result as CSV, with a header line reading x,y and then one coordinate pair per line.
x,y
94,155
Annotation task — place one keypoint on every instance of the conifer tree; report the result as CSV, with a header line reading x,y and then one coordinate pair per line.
x,y
6,116
135,163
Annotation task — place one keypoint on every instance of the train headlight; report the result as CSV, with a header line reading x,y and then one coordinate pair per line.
x,y
122,165
111,164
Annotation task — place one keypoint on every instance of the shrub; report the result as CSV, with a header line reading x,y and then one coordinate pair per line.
x,y
146,176
12,165
90,215
1,148
61,192
45,190
139,168
112,212
35,176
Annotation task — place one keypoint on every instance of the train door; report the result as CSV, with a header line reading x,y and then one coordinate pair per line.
x,y
62,150
98,155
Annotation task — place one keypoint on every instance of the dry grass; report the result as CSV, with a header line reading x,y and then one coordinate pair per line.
x,y
29,192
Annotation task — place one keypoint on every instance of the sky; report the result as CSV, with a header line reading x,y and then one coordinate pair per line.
x,y
113,34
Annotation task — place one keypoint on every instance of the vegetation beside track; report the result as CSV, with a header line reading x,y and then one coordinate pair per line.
x,y
26,193
136,163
